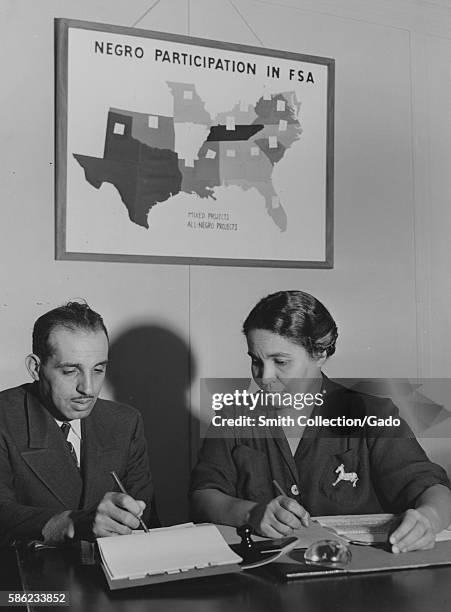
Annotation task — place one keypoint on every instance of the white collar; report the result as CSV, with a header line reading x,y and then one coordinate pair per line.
x,y
75,426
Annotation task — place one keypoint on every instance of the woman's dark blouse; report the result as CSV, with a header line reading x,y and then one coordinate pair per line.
x,y
392,468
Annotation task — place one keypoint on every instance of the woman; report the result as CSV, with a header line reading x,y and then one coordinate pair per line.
x,y
320,469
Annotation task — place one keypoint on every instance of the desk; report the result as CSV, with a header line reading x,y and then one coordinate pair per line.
x,y
421,590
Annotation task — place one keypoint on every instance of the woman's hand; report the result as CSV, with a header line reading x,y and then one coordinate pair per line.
x,y
278,517
417,531
419,527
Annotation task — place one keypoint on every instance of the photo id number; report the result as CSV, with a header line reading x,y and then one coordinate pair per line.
x,y
37,598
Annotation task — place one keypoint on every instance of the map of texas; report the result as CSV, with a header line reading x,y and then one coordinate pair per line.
x,y
242,147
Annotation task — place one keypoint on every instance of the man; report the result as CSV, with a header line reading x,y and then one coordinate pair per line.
x,y
59,443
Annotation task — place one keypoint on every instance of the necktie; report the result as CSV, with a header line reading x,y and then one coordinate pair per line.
x,y
65,428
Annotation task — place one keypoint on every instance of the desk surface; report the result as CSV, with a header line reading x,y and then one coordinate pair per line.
x,y
415,590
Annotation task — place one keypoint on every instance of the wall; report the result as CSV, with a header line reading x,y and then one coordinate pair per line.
x,y
171,325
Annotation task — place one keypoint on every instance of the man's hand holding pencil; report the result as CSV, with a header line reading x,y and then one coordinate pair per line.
x,y
118,513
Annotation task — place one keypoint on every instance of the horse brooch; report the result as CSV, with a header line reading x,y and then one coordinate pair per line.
x,y
345,476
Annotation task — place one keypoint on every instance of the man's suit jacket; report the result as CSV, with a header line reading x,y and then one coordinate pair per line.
x,y
38,477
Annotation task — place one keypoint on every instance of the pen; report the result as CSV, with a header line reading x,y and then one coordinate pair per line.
x,y
121,487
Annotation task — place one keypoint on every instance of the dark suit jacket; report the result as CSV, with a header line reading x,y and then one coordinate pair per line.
x,y
38,477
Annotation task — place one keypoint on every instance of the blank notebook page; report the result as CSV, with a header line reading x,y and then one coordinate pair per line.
x,y
168,550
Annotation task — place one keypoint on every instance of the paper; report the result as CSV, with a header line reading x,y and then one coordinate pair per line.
x,y
119,128
368,527
444,535
361,527
283,124
314,533
230,123
165,551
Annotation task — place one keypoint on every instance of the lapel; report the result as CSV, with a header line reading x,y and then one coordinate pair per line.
x,y
47,454
100,455
278,435
287,456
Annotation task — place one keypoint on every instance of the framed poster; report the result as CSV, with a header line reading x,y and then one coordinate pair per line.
x,y
182,150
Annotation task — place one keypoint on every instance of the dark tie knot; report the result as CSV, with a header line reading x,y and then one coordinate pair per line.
x,y
65,428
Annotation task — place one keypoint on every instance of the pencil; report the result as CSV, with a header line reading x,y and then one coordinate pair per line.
x,y
279,488
121,487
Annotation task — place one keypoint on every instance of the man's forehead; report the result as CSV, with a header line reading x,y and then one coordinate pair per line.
x,y
67,343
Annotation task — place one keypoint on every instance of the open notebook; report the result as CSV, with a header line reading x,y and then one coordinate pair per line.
x,y
165,554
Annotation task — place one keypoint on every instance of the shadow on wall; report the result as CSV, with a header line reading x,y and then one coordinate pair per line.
x,y
151,368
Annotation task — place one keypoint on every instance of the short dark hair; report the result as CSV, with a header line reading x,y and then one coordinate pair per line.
x,y
297,316
73,316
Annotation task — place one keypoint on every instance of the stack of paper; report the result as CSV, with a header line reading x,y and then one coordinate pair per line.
x,y
165,554
362,527
368,527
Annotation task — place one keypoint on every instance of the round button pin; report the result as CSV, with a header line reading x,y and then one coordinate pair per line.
x,y
294,490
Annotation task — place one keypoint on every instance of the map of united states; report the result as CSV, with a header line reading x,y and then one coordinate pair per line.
x,y
242,148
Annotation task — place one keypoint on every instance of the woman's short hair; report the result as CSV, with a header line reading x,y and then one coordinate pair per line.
x,y
297,316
